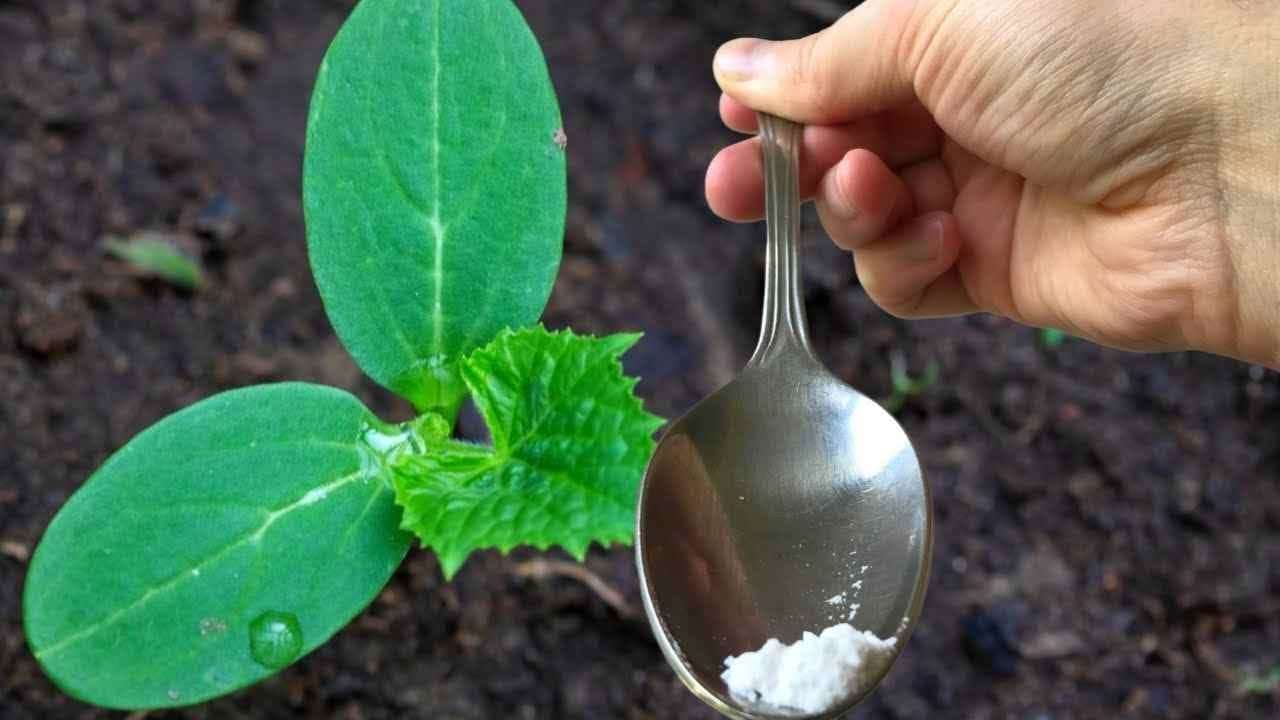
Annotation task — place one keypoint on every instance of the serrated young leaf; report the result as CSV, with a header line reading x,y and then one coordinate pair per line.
x,y
570,443
264,502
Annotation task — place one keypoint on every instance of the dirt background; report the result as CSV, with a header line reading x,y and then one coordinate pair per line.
x,y
1108,525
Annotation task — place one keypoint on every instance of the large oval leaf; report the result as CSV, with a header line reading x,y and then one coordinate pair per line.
x,y
434,187
215,548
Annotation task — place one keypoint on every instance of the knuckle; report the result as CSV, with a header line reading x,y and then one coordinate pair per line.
x,y
847,230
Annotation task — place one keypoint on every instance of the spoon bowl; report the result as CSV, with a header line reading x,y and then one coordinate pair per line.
x,y
783,503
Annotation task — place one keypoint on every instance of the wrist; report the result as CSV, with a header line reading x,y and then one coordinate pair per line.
x,y
1249,181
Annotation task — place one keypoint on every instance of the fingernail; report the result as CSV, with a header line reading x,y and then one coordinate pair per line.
x,y
738,59
925,242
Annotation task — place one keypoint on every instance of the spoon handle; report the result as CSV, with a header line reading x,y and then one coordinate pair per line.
x,y
783,326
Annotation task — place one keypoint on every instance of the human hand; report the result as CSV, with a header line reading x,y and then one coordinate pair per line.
x,y
1111,169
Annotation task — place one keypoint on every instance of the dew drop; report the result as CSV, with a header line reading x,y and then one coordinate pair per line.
x,y
275,639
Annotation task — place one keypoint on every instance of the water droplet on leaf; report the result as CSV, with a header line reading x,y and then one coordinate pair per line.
x,y
275,639
212,626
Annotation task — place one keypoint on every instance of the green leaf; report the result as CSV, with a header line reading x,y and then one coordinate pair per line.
x,y
153,254
434,187
257,505
570,443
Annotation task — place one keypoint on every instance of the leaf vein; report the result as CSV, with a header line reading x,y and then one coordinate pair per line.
x,y
438,229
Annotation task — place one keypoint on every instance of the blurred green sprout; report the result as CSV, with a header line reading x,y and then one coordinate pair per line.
x,y
905,386
1052,338
1263,684
155,255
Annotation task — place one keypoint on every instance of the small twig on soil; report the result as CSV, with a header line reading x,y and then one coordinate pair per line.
x,y
15,550
1023,435
1039,416
821,9
987,420
1206,653
540,569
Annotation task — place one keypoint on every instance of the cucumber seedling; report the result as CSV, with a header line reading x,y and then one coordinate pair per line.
x,y
906,387
237,535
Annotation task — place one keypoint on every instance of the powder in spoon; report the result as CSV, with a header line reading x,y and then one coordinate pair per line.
x,y
815,674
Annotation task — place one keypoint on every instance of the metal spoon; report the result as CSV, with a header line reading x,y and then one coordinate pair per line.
x,y
779,493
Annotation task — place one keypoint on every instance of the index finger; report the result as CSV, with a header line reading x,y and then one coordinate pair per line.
x,y
735,181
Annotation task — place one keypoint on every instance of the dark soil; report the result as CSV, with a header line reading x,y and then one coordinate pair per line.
x,y
1108,525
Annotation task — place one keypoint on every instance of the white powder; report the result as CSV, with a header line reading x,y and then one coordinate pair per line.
x,y
815,674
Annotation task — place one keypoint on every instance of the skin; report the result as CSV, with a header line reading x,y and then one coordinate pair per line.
x,y
1106,167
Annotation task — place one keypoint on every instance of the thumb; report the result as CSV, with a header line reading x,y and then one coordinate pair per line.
x,y
857,66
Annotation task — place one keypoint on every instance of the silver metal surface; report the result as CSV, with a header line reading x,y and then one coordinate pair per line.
x,y
770,496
